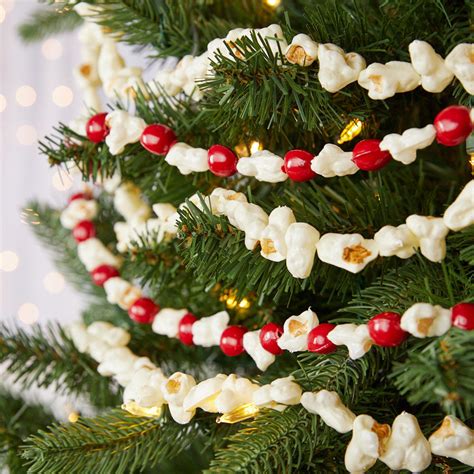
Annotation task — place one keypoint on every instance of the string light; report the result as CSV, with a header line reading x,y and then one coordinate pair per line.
x,y
471,162
272,3
351,130
244,412
245,150
135,409
229,297
73,417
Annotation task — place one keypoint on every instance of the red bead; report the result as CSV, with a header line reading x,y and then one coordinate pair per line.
x,y
298,165
232,340
269,335
368,156
158,139
222,161
102,273
96,128
185,329
385,330
453,125
318,339
462,316
83,231
86,196
143,311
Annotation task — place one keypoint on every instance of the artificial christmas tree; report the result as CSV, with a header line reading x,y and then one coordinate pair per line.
x,y
256,313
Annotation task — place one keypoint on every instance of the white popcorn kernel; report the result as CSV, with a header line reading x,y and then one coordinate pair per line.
x,y
125,83
207,331
264,166
273,34
204,394
330,408
78,334
165,81
285,391
124,129
225,202
91,99
355,337
129,203
235,392
460,213
111,184
263,359
110,62
296,330
124,235
426,320
262,399
144,388
117,360
180,415
121,292
163,211
431,232
143,362
406,448
367,444
252,220
272,239
337,69
302,50
399,241
348,251
98,349
435,76
300,240
403,147
459,62
86,74
78,210
187,159
92,253
85,9
166,322
332,161
78,125
385,80
176,388
112,335
454,440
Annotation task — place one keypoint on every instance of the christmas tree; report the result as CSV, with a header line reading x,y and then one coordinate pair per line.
x,y
276,237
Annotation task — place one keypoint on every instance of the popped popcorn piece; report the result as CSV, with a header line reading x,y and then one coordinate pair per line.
x,y
431,232
332,161
403,147
337,69
124,129
167,321
235,391
180,415
459,62
272,239
207,331
204,394
78,125
285,391
348,251
300,240
112,335
112,183
225,202
121,292
264,166
117,361
176,388
263,359
406,448
252,220
355,337
77,332
460,213
399,241
454,440
330,408
187,159
77,211
129,203
164,211
125,83
92,253
302,50
144,388
296,330
435,76
98,349
426,320
262,399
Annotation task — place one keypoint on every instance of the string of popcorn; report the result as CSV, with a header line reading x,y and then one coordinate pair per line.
x,y
147,390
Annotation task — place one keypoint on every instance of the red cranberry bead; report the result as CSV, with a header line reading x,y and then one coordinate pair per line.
x,y
222,161
453,125
143,311
269,335
298,165
368,156
385,330
102,273
185,329
318,339
96,128
83,231
462,316
86,196
158,139
232,340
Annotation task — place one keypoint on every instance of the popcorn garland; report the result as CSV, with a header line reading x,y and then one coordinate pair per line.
x,y
147,389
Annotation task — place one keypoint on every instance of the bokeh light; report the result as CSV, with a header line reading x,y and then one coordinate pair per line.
x,y
8,261
25,96
62,96
52,49
3,103
61,180
26,135
54,282
28,313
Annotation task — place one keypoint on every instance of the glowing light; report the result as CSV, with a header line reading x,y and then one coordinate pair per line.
x,y
244,150
52,49
351,130
272,3
229,297
61,180
8,261
25,96
244,412
29,216
255,146
62,96
26,135
7,5
73,417
135,409
3,103
54,282
28,313
471,162
3,14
